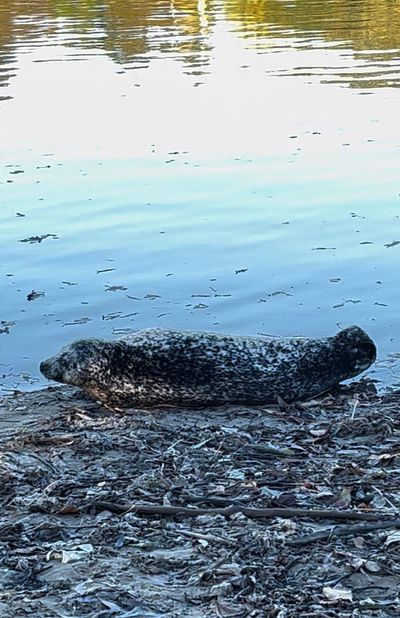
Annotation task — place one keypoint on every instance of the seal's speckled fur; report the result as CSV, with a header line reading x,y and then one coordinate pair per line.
x,y
186,368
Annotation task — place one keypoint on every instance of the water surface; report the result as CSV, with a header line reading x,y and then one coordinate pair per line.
x,y
230,166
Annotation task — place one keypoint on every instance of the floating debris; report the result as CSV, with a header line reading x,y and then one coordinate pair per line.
x,y
216,294
115,288
5,327
111,316
38,239
120,332
118,314
323,249
346,301
279,293
392,244
33,295
77,321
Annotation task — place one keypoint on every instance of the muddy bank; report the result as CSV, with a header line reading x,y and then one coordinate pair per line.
x,y
281,511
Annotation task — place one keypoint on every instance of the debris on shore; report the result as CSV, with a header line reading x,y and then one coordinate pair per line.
x,y
277,511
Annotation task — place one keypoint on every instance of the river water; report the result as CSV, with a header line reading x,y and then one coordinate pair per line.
x,y
223,165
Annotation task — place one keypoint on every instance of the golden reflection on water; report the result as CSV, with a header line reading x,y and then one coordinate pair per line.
x,y
363,25
369,29
133,32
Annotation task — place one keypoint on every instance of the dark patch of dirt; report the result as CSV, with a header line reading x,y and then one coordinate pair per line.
x,y
82,532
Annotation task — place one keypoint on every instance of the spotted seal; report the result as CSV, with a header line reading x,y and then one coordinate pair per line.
x,y
186,368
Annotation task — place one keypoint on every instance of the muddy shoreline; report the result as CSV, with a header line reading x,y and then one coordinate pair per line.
x,y
277,511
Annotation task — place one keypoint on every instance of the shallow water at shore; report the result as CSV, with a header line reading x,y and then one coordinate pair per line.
x,y
226,166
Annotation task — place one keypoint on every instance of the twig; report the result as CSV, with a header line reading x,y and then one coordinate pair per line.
x,y
355,403
211,538
215,500
45,463
268,513
385,498
343,531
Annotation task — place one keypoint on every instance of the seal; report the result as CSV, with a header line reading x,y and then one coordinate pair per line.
x,y
155,367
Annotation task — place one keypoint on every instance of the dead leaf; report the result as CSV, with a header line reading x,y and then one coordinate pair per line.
x,y
392,538
372,566
344,499
74,554
317,433
359,542
337,594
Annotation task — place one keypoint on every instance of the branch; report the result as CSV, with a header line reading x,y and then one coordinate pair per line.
x,y
343,531
268,513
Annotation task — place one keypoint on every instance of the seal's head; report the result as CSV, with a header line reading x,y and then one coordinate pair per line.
x,y
357,350
74,363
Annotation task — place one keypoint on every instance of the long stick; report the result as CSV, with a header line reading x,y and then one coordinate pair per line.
x,y
268,513
343,531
